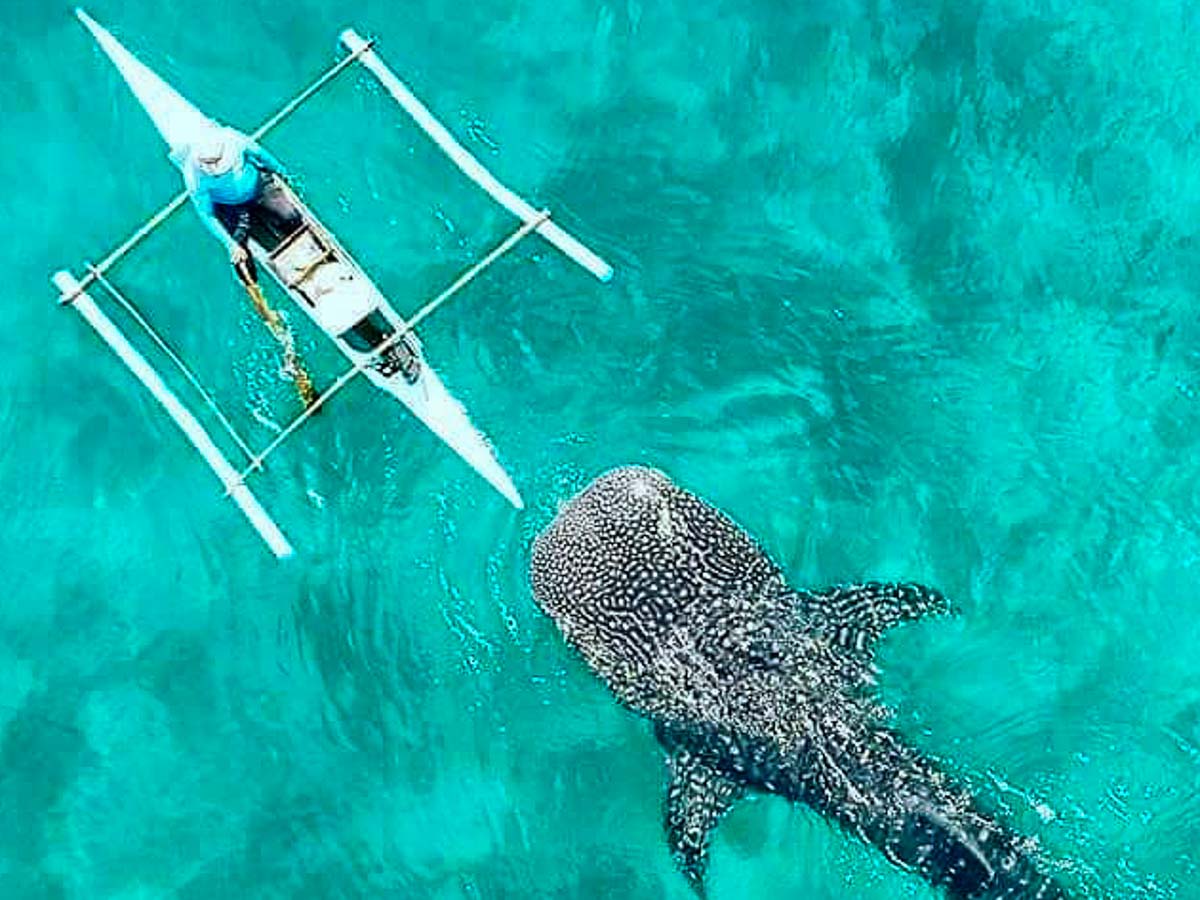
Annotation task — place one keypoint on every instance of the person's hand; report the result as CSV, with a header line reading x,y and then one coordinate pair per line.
x,y
238,254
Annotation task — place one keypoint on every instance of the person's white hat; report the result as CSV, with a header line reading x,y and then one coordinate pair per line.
x,y
214,150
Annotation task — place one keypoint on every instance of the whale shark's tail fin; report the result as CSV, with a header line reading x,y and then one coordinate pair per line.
x,y
923,822
878,787
971,855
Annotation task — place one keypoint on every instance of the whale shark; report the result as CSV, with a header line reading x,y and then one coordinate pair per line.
x,y
752,685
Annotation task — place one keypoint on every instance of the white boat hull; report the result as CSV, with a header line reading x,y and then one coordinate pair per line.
x,y
321,277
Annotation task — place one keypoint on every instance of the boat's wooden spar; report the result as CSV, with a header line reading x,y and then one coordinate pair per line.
x,y
234,486
470,166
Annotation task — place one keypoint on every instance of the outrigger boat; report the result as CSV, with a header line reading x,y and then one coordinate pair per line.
x,y
316,272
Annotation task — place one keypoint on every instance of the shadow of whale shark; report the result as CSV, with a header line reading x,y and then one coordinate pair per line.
x,y
752,685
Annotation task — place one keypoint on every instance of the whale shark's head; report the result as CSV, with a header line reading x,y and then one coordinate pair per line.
x,y
634,568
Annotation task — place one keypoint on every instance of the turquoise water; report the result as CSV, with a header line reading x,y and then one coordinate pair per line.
x,y
906,288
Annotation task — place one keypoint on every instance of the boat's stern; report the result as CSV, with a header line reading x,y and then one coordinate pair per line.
x,y
350,309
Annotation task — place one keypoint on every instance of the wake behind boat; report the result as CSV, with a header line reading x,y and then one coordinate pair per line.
x,y
320,276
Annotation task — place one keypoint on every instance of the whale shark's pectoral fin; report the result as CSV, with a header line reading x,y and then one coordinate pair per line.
x,y
697,797
854,616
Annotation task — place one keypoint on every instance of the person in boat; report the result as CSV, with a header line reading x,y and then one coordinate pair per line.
x,y
237,188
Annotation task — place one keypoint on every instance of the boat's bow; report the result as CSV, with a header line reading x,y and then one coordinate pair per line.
x,y
176,119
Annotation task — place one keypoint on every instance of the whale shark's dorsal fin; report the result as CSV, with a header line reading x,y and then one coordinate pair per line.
x,y
697,797
854,616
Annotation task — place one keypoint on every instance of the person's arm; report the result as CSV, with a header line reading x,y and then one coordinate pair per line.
x,y
203,205
241,230
264,159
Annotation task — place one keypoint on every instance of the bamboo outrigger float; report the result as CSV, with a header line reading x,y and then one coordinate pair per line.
x,y
321,277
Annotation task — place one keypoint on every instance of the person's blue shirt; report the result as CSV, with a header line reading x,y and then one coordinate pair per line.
x,y
239,181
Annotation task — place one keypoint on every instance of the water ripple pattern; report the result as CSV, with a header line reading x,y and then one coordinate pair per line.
x,y
907,288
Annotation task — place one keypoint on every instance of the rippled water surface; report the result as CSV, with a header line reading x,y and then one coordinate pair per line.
x,y
907,288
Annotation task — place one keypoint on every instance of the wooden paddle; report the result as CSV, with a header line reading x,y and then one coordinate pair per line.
x,y
291,359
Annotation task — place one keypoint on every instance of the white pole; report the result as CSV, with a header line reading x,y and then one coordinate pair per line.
x,y
470,166
68,286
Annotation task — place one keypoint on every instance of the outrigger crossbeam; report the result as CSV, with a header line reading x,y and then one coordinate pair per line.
x,y
74,291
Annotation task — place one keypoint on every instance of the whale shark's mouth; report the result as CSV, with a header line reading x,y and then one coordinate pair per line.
x,y
621,499
594,540
634,555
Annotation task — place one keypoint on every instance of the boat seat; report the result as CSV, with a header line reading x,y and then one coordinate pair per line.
x,y
295,260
